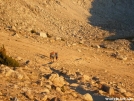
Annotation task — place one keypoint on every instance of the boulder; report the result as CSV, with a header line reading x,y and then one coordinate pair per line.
x,y
87,97
59,81
42,34
56,80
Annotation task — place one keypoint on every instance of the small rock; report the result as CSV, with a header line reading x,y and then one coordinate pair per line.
x,y
8,72
1,94
58,38
27,62
58,89
86,77
74,94
19,58
101,92
53,76
81,42
74,84
107,89
29,94
18,75
96,46
121,90
55,99
44,98
42,34
45,90
79,50
14,99
74,44
78,74
16,35
48,86
57,81
127,94
87,97
121,57
95,78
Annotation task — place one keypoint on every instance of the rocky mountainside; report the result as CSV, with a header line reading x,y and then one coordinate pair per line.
x,y
90,66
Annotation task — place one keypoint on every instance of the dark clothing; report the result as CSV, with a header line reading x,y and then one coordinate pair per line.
x,y
53,55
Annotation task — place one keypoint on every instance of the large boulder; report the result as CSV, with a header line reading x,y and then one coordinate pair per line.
x,y
57,80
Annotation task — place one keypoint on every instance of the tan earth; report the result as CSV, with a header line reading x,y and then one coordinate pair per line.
x,y
89,58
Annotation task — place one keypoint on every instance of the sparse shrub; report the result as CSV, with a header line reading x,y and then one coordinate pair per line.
x,y
6,60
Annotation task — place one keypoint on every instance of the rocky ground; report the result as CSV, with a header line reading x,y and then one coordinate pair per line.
x,y
96,57
81,73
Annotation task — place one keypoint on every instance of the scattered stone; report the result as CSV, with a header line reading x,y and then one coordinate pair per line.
x,y
87,97
42,34
122,57
18,76
19,58
86,77
48,86
27,62
58,38
107,89
127,94
101,92
6,71
55,99
121,90
79,50
14,99
74,94
58,89
44,98
53,76
29,94
78,74
16,35
95,78
96,46
74,44
81,42
1,94
57,81
74,85
45,90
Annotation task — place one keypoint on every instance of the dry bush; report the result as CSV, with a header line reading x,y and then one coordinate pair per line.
x,y
6,60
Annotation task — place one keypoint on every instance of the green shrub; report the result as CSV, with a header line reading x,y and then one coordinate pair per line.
x,y
6,60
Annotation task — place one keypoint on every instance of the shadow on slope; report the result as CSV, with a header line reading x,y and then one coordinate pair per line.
x,y
79,88
115,16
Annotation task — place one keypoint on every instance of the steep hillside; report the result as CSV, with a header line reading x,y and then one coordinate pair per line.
x,y
90,66
56,17
73,20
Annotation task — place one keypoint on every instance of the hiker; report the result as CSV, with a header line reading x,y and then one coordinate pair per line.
x,y
53,55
